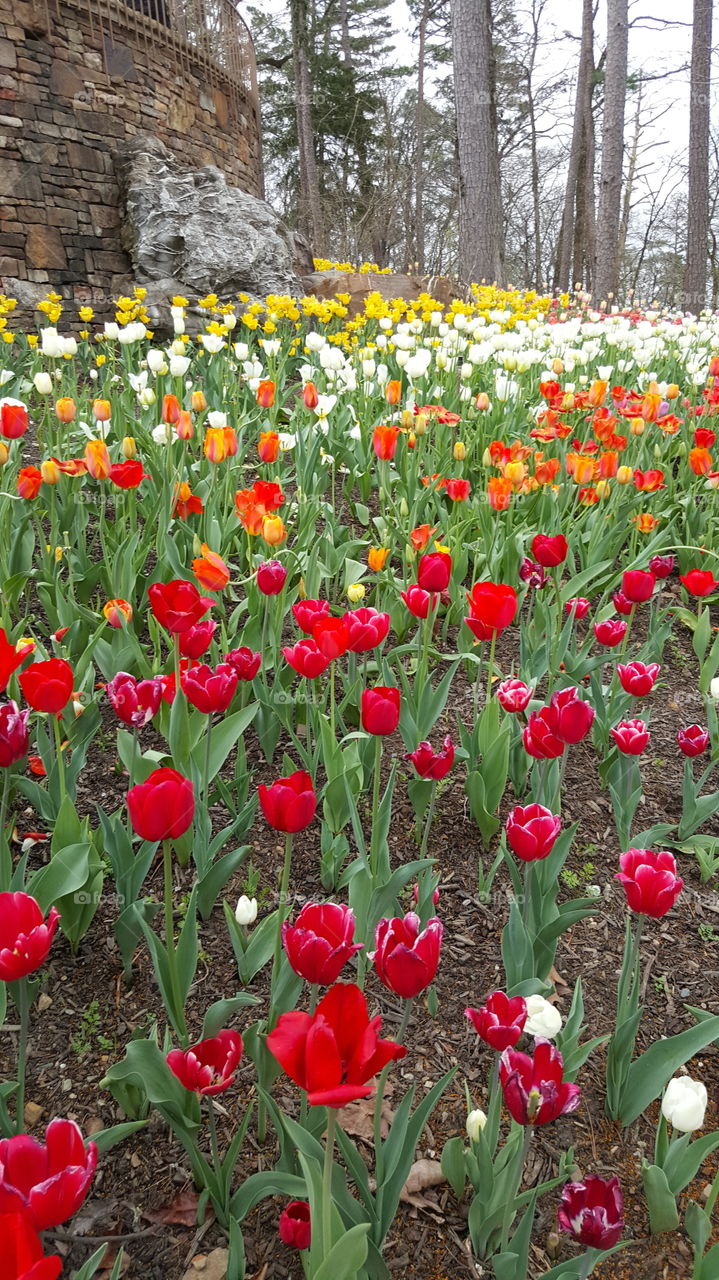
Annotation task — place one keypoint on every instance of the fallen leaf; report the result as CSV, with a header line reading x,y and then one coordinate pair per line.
x,y
210,1266
424,1173
180,1212
357,1118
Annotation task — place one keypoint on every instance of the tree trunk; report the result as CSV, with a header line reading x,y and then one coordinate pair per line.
x,y
480,192
695,275
310,207
631,177
584,79
419,161
606,267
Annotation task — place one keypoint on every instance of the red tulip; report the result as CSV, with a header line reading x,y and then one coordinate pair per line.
x,y
331,637
289,804
48,1181
308,612
574,716
333,1053
650,881
592,1212
244,662
210,689
13,419
380,710
271,577
533,574
500,1021
638,585
631,736
662,566
167,679
177,605
578,606
539,735
134,702
534,1089
622,604
417,600
434,571
29,482
611,632
549,550
492,605
514,695
25,936
532,831
127,475
295,1227
195,642
366,629
384,442
14,741
21,1250
266,393
310,395
209,1067
431,764
171,409
404,957
10,658
693,741
699,582
47,685
319,943
163,807
306,659
637,678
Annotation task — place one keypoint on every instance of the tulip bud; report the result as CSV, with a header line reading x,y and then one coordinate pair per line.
x,y
355,592
482,401
557,366
43,383
147,397
49,471
407,419
714,689
403,508
4,453
459,452
624,475
672,391
684,1103
198,401
421,423
246,911
603,488
476,1120
637,426
102,410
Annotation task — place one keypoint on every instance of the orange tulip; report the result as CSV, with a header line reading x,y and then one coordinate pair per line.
x,y
184,426
102,410
115,610
482,401
198,401
584,469
266,393
97,459
515,473
170,409
499,492
597,392
547,470
393,393
420,536
645,522
588,497
273,531
384,442
268,446
700,461
66,409
648,481
310,395
210,570
214,445
29,480
4,453
650,406
186,503
608,464
377,558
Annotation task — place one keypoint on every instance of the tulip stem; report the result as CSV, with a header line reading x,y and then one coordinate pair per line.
x,y
587,1262
490,667
428,823
332,699
374,838
180,1024
215,1149
327,1183
21,995
5,854
58,752
379,1095
208,744
281,916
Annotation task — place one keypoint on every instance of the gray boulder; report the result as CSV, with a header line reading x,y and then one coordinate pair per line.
x,y
189,227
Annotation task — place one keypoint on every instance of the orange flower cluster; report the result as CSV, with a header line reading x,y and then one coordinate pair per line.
x,y
256,507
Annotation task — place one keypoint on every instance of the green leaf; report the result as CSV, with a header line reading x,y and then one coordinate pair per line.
x,y
453,1165
663,1214
223,1011
347,1257
106,1139
682,1163
65,873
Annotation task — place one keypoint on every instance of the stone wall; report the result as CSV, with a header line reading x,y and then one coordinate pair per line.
x,y
76,78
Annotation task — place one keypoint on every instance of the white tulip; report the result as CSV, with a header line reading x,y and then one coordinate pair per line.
x,y
212,342
147,397
179,366
156,360
51,343
714,688
217,418
163,433
315,341
246,910
543,1019
43,383
476,1120
684,1103
111,329
241,350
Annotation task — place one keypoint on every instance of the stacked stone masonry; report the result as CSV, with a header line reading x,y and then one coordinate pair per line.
x,y
70,91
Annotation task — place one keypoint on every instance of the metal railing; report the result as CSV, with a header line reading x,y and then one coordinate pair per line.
x,y
204,38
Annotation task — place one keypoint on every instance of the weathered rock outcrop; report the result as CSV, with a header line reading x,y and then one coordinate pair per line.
x,y
191,231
